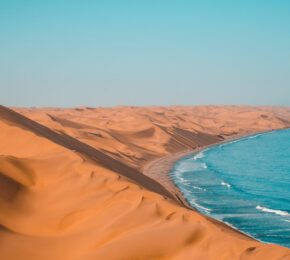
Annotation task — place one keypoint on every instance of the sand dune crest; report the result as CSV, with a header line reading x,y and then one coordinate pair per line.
x,y
71,185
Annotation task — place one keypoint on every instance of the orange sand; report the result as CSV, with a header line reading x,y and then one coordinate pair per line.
x,y
71,183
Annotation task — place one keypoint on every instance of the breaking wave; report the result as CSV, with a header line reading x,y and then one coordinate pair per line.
x,y
275,211
236,182
195,204
198,156
226,184
198,188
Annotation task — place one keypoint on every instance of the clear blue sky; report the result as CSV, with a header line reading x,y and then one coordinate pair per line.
x,y
144,52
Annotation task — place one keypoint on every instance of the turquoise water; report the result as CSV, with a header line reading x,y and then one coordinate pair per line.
x,y
245,183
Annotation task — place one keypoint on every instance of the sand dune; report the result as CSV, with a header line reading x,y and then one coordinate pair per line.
x,y
71,183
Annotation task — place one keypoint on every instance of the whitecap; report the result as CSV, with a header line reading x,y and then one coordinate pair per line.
x,y
194,203
198,188
181,179
225,184
188,166
277,212
198,156
229,224
253,136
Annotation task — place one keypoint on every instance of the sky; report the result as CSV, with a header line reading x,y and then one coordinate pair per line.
x,y
68,53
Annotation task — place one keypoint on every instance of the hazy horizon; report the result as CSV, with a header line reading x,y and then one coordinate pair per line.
x,y
108,53
145,106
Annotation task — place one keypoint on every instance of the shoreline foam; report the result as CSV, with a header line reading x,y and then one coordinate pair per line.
x,y
161,168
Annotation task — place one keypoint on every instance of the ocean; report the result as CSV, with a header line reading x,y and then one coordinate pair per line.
x,y
244,183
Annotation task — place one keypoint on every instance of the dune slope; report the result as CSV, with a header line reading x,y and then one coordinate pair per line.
x,y
71,185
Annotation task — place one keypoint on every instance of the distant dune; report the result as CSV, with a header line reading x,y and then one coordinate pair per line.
x,y
72,183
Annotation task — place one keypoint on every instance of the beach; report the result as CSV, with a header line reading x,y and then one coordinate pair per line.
x,y
233,182
160,169
72,182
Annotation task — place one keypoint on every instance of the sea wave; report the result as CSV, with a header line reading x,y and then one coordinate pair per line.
x,y
198,156
198,188
227,143
195,204
254,136
275,211
186,183
229,224
179,177
226,184
190,166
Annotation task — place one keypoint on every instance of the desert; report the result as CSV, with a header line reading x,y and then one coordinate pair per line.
x,y
74,184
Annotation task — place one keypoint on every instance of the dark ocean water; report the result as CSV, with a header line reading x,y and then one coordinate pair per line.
x,y
245,183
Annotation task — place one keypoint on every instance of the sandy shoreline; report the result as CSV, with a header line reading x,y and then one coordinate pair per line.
x,y
160,169
72,186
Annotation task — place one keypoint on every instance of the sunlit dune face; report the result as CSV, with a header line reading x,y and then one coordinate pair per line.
x,y
60,200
